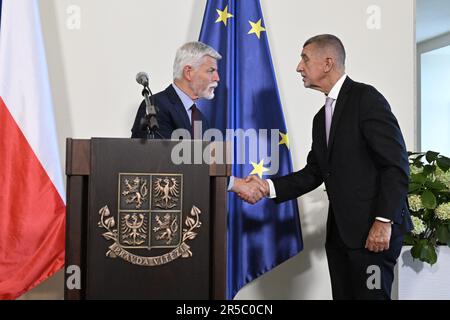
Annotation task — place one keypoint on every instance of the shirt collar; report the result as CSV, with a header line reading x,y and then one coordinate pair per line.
x,y
334,92
185,99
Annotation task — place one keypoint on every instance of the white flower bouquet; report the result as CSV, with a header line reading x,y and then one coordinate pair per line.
x,y
429,204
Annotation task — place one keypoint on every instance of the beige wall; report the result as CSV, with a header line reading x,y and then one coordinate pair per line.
x,y
92,71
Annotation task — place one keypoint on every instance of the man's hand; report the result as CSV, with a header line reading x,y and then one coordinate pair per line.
x,y
379,236
250,191
263,184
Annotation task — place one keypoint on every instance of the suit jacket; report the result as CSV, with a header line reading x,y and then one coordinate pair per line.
x,y
365,167
171,115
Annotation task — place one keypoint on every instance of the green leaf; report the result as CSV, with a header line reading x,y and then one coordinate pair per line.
x,y
413,187
428,169
418,161
431,156
443,234
408,239
443,163
410,153
416,249
428,215
435,185
428,254
429,199
418,178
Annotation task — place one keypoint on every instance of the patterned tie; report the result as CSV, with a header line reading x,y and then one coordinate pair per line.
x,y
195,116
328,116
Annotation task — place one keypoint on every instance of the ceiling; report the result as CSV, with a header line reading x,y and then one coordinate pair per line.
x,y
433,18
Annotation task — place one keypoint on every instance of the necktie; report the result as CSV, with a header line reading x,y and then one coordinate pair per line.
x,y
195,116
328,116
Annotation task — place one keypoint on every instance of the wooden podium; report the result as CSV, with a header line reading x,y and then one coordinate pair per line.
x,y
141,226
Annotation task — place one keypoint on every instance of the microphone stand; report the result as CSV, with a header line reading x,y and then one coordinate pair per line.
x,y
151,120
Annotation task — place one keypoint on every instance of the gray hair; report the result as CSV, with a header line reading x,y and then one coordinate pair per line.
x,y
192,54
329,41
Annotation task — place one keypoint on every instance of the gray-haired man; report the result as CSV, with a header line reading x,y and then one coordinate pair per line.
x,y
195,76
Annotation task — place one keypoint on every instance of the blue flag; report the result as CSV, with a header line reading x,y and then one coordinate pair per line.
x,y
263,235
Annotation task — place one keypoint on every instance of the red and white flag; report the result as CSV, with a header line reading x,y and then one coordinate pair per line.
x,y
32,205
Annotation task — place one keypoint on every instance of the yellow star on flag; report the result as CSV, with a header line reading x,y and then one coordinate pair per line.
x,y
284,139
259,169
224,16
256,28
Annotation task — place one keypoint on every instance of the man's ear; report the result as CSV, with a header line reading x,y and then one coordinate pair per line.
x,y
187,72
329,64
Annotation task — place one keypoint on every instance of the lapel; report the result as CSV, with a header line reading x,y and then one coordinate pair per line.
x,y
338,109
178,107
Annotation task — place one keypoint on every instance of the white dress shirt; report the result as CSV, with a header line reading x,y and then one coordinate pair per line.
x,y
186,100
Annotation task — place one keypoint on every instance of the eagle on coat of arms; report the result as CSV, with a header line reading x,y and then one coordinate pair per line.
x,y
134,229
166,192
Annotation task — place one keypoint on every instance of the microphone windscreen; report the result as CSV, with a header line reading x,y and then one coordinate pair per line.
x,y
142,78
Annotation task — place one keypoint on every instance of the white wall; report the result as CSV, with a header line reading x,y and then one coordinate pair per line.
x,y
92,73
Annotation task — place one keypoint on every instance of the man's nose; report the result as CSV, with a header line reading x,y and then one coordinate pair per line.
x,y
300,67
216,77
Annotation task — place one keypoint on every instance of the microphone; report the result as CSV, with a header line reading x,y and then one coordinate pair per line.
x,y
142,79
150,121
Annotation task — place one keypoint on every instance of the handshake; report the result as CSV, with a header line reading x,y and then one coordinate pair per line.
x,y
251,189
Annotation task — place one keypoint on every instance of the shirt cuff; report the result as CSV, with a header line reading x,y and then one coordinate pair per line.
x,y
230,183
272,193
383,219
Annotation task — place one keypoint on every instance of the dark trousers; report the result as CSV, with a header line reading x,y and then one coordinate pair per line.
x,y
360,273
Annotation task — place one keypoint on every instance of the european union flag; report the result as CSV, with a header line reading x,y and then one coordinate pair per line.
x,y
264,235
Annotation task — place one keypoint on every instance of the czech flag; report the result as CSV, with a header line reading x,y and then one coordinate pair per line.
x,y
32,205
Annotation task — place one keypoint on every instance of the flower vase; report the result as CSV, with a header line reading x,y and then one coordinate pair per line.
x,y
418,280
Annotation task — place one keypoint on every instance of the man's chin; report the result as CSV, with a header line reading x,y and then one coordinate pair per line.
x,y
209,96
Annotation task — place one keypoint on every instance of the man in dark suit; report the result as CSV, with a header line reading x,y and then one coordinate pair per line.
x,y
195,77
359,153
